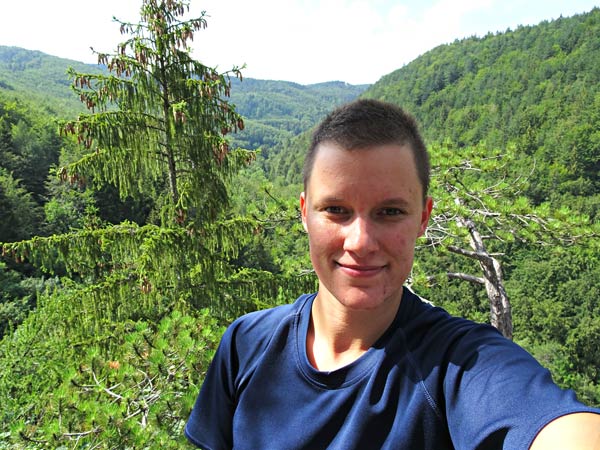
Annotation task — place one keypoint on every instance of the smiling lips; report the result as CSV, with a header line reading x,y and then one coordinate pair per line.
x,y
359,270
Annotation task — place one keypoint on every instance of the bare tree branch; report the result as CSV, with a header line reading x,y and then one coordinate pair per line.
x,y
483,257
466,277
107,390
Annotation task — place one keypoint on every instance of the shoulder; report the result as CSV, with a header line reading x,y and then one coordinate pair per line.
x,y
422,322
253,331
457,349
267,319
462,363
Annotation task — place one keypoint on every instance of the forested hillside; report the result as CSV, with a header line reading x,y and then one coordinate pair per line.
x,y
274,110
121,264
41,79
536,86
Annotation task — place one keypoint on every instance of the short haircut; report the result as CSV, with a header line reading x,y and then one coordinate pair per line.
x,y
367,123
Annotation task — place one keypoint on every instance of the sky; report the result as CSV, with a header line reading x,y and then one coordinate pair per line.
x,y
304,41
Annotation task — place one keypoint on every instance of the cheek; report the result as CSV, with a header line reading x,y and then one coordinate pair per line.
x,y
320,241
322,238
401,244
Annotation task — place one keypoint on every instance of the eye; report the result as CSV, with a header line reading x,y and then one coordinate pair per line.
x,y
391,212
335,210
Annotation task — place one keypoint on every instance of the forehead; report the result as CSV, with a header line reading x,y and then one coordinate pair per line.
x,y
330,155
389,167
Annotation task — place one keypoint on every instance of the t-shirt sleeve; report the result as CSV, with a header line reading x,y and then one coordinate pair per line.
x,y
498,396
210,423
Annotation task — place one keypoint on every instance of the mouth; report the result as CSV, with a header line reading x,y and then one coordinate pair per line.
x,y
360,270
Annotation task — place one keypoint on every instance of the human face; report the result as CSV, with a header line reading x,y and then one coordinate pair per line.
x,y
363,211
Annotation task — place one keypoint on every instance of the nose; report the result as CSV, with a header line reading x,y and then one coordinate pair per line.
x,y
360,237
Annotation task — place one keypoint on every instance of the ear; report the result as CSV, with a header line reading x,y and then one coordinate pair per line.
x,y
303,207
425,215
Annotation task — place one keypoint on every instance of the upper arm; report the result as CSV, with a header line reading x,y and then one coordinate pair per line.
x,y
578,431
210,423
518,396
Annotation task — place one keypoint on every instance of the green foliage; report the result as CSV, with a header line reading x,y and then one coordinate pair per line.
x,y
280,243
158,114
15,302
37,78
285,167
457,297
156,130
276,111
21,216
536,86
29,146
131,384
273,111
557,359
68,208
486,186
555,291
34,149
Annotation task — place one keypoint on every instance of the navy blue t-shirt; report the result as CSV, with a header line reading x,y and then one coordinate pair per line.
x,y
432,381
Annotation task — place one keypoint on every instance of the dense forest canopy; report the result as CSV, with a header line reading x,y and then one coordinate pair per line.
x,y
124,255
279,110
41,79
538,86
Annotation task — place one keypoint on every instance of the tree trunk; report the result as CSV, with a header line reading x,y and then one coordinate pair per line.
x,y
500,309
167,117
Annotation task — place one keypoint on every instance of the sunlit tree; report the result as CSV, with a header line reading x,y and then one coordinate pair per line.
x,y
480,209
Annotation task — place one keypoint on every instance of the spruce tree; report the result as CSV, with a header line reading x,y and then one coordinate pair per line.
x,y
156,126
114,356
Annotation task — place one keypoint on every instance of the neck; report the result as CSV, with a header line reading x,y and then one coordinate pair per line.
x,y
337,335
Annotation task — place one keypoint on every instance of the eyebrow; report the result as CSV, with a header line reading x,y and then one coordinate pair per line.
x,y
330,199
394,201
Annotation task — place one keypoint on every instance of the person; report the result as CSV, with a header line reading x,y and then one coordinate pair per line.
x,y
364,363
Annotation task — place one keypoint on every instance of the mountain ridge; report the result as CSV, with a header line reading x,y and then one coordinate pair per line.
x,y
274,110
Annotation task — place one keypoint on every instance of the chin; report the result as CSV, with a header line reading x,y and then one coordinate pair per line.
x,y
366,299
